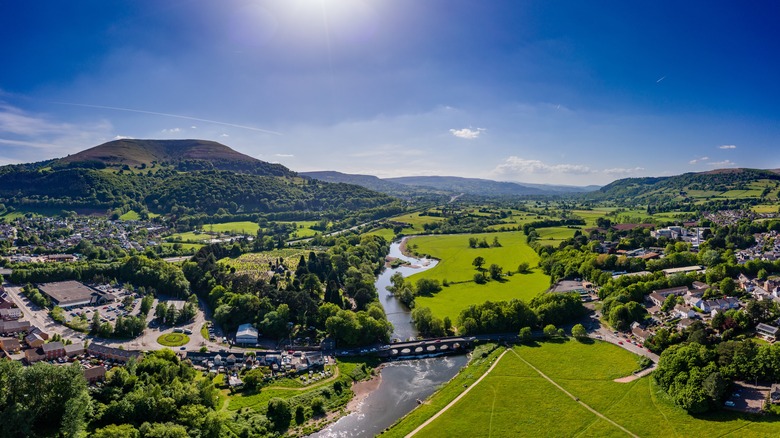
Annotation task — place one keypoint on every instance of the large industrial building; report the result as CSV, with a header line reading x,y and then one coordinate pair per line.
x,y
70,294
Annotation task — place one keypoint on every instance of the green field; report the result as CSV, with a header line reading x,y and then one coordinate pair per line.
x,y
189,237
243,227
131,215
416,221
455,266
303,229
516,401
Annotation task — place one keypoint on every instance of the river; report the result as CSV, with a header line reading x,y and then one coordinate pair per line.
x,y
402,382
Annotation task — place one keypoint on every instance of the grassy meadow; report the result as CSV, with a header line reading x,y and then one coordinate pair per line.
x,y
515,401
455,266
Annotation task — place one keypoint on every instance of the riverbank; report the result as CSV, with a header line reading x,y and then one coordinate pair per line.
x,y
364,388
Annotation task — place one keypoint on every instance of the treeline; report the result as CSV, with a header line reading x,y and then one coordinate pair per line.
x,y
548,223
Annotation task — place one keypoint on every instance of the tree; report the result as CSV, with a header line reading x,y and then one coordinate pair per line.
x,y
472,242
578,331
550,331
727,286
495,271
523,268
478,262
525,335
146,304
279,413
496,243
160,311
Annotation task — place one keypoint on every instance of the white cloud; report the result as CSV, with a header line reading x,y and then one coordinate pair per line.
x,y
284,155
193,127
224,135
724,163
623,170
517,165
171,131
121,137
698,160
467,133
727,146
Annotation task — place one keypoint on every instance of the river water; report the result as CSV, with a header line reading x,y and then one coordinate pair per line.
x,y
403,382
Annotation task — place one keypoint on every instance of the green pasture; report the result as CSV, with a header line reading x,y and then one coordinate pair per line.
x,y
416,221
456,267
189,237
303,229
515,401
240,227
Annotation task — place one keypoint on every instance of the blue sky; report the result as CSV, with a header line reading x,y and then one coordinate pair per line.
x,y
565,92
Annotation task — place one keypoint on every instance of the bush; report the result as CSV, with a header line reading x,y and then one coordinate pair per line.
x,y
550,331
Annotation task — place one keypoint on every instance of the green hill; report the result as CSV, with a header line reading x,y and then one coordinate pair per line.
x,y
181,154
701,187
174,176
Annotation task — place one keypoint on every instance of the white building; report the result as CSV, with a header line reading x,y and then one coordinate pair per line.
x,y
246,334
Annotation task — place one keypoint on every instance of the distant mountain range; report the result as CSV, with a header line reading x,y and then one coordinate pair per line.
x,y
452,185
190,177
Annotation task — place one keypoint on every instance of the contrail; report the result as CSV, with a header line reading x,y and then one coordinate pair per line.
x,y
659,80
168,115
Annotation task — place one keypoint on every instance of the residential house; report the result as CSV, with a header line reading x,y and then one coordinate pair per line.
x,y
75,349
685,323
10,345
53,350
13,327
11,314
105,352
95,374
719,304
32,355
34,340
767,330
684,311
699,285
659,296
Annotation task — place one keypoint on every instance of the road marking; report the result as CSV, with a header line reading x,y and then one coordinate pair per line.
x,y
597,413
452,403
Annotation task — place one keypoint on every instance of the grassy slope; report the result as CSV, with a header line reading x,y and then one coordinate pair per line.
x,y
515,401
455,266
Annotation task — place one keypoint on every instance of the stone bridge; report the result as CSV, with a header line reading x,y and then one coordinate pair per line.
x,y
427,347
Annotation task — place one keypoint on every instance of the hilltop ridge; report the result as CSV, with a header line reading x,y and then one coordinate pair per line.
x,y
187,154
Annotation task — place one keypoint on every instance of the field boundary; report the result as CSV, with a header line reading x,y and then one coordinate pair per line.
x,y
576,399
460,396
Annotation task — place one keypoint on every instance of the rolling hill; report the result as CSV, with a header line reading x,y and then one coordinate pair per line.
x,y
721,185
175,177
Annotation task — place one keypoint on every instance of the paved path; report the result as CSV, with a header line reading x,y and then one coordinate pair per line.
x,y
597,413
452,403
636,376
